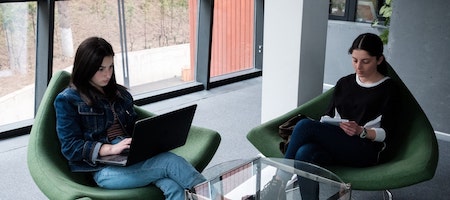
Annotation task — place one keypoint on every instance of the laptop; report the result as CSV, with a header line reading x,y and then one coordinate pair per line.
x,y
155,135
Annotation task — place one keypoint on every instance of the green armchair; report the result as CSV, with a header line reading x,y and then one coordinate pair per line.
x,y
50,170
413,160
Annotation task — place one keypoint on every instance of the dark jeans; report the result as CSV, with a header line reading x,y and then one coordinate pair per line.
x,y
325,144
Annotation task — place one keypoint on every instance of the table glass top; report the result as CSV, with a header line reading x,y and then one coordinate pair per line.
x,y
242,178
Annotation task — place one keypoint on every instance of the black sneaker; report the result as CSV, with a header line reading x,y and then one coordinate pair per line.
x,y
274,190
190,194
249,197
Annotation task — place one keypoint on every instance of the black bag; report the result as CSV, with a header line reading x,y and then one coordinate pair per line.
x,y
285,131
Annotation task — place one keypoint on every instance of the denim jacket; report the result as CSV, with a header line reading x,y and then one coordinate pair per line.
x,y
82,129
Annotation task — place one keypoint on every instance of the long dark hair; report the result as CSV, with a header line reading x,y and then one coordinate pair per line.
x,y
88,59
374,46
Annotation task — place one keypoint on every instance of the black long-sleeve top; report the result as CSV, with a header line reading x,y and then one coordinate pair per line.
x,y
369,105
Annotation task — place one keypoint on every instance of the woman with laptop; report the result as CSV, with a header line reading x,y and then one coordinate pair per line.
x,y
95,117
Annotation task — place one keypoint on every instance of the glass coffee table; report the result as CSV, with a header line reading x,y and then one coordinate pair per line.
x,y
241,179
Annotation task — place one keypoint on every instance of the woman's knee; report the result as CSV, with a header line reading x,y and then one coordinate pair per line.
x,y
304,125
303,131
313,153
304,122
167,158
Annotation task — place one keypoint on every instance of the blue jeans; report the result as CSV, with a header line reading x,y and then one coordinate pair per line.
x,y
169,172
324,144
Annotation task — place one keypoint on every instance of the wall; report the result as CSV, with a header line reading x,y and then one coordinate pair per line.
x,y
419,45
293,54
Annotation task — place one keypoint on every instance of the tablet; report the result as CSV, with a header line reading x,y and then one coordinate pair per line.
x,y
332,121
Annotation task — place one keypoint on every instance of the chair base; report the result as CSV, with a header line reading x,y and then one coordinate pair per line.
x,y
388,194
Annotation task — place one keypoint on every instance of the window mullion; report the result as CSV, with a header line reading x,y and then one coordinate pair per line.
x,y
123,42
351,6
44,48
204,41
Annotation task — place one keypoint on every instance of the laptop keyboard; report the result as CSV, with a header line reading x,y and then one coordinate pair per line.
x,y
118,158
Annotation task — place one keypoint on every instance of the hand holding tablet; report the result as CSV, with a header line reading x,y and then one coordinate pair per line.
x,y
332,121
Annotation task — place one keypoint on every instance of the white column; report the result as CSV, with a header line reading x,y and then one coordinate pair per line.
x,y
295,33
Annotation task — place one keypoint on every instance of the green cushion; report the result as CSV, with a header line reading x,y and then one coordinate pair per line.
x,y
412,161
50,170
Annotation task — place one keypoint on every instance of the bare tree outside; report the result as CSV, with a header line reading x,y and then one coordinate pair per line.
x,y
15,27
150,26
66,30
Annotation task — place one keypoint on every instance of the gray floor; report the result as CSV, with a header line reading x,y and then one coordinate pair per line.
x,y
232,110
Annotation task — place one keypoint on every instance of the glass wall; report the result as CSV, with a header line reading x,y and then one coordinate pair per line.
x,y
154,42
150,38
17,61
78,20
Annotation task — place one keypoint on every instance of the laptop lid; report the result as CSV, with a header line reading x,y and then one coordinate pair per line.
x,y
155,135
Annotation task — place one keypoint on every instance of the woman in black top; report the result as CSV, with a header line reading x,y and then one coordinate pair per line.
x,y
367,99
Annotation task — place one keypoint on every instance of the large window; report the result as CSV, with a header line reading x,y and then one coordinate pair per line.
x,y
156,43
150,38
366,11
17,61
